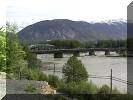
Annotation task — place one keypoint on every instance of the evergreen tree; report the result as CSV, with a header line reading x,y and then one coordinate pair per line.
x,y
74,70
15,54
2,50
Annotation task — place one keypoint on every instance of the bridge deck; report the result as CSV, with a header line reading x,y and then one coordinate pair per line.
x,y
51,51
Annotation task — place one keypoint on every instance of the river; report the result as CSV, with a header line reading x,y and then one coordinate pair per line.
x,y
95,65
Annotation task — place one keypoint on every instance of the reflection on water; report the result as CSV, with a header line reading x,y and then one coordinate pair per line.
x,y
95,65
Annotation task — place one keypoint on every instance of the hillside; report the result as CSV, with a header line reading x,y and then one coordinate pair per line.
x,y
78,30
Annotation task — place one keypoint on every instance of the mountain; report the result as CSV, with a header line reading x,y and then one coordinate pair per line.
x,y
77,30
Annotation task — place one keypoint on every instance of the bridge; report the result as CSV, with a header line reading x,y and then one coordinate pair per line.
x,y
58,53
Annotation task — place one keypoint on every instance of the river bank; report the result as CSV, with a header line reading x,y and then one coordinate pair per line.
x,y
95,65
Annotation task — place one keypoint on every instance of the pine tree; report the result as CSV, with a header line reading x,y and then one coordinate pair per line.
x,y
74,70
14,53
2,50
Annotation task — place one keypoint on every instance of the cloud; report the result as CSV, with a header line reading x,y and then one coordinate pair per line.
x,y
88,10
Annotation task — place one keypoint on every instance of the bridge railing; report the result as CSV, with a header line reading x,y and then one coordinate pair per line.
x,y
75,49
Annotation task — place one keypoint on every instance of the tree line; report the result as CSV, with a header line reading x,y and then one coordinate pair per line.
x,y
70,44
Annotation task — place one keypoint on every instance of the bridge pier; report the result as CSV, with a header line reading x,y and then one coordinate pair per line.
x,y
123,53
92,52
58,55
107,52
77,54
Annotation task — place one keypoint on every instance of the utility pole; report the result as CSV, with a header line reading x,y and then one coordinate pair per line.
x,y
54,70
54,75
111,82
110,85
19,73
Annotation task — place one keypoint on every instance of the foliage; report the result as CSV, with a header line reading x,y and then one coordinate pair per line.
x,y
11,27
31,58
105,44
53,80
82,87
35,74
88,91
90,44
14,53
65,43
111,43
105,89
74,70
2,50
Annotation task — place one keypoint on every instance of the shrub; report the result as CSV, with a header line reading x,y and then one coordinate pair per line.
x,y
104,90
82,87
2,51
53,80
35,74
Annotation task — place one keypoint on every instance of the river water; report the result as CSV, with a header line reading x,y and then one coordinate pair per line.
x,y
99,65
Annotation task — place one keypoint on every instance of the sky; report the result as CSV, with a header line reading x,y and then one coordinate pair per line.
x,y
25,12
2,12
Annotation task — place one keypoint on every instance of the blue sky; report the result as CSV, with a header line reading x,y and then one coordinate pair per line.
x,y
25,12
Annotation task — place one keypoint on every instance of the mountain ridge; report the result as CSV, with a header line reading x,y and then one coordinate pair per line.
x,y
77,30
